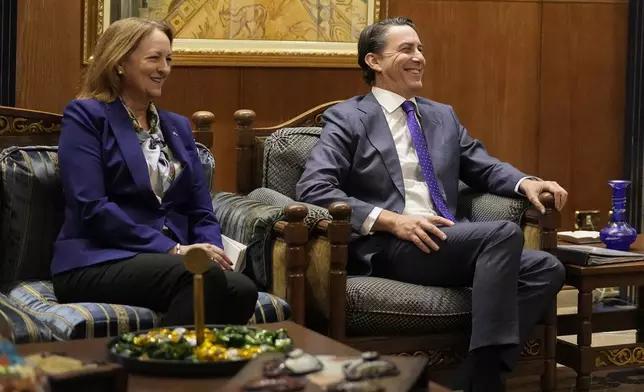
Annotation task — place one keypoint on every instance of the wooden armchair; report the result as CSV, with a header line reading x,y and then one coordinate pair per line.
x,y
270,160
31,214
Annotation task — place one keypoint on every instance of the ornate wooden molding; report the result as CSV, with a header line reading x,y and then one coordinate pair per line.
x,y
24,125
620,357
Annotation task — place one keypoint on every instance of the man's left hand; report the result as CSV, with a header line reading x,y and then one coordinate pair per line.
x,y
533,188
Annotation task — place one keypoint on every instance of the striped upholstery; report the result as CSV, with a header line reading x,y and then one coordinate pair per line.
x,y
249,222
24,328
31,211
93,320
79,320
270,309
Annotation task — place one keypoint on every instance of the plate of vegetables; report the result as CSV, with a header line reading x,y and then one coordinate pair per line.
x,y
173,351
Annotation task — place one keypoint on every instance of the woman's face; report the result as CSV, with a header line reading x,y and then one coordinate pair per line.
x,y
146,69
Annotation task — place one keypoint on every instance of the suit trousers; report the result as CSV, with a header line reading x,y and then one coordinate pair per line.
x,y
162,283
511,287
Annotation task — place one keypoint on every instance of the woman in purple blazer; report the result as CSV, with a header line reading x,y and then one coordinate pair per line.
x,y
135,191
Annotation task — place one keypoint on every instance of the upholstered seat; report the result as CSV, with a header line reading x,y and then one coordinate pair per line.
x,y
31,214
381,307
20,327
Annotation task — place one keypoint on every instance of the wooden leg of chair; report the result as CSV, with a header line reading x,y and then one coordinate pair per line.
x,y
549,376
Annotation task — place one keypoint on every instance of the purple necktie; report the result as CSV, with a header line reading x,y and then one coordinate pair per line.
x,y
425,161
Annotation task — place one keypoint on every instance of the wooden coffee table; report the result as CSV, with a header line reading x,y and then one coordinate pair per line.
x,y
96,350
582,357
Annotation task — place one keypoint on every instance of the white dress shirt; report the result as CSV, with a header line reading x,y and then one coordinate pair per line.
x,y
417,196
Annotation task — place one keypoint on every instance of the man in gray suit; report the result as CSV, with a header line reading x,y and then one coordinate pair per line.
x,y
397,159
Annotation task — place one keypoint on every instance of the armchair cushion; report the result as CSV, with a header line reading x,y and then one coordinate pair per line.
x,y
285,153
477,206
24,328
31,211
274,198
383,307
251,223
79,320
270,309
42,312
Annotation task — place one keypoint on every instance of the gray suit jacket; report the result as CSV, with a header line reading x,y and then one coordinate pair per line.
x,y
355,161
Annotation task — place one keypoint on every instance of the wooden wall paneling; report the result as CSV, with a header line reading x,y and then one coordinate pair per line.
x,y
216,90
48,71
583,64
483,59
278,94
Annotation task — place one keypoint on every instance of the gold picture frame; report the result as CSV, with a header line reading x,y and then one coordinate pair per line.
x,y
247,52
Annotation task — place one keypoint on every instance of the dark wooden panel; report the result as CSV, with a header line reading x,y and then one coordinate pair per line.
x,y
8,22
48,53
482,58
215,90
582,101
278,94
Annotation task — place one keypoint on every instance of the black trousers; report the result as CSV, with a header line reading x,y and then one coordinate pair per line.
x,y
511,287
161,282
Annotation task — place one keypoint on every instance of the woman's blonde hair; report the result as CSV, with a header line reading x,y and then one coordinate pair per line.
x,y
121,38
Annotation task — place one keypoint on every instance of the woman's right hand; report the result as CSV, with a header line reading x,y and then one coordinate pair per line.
x,y
214,253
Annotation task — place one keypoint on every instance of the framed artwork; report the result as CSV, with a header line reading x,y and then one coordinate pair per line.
x,y
278,33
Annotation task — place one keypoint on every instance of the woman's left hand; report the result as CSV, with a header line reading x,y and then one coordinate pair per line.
x,y
218,256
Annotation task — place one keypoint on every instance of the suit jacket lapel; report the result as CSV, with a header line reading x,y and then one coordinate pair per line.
x,y
125,135
171,137
380,137
431,127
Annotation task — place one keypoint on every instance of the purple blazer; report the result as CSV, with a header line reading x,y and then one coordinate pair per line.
x,y
111,211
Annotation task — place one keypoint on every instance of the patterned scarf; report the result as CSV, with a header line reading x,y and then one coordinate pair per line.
x,y
161,166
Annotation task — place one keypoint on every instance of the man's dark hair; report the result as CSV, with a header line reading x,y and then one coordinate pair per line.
x,y
373,40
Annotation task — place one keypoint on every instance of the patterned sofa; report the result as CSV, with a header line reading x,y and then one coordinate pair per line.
x,y
31,213
373,313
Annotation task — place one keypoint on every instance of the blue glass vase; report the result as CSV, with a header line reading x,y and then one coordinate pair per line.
x,y
618,234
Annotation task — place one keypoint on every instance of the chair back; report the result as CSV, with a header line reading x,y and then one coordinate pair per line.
x,y
251,147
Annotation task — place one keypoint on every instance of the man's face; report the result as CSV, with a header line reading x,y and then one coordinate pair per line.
x,y
399,68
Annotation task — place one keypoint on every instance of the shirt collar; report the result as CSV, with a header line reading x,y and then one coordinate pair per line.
x,y
391,101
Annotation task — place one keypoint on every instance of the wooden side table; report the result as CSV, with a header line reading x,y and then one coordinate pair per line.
x,y
582,357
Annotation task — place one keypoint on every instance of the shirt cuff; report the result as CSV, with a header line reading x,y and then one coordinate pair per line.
x,y
516,188
370,221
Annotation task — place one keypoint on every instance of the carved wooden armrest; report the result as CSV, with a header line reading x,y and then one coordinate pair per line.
x,y
295,234
541,229
338,233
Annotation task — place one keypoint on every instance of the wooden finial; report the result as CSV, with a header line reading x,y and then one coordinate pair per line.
x,y
547,199
197,261
203,120
340,210
244,118
295,212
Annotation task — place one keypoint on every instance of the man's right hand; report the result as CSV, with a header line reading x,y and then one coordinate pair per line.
x,y
413,228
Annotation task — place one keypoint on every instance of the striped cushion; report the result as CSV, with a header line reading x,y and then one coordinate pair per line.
x,y
270,309
79,320
24,328
249,222
93,320
31,212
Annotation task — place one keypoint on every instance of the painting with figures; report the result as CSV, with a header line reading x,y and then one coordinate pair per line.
x,y
250,32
